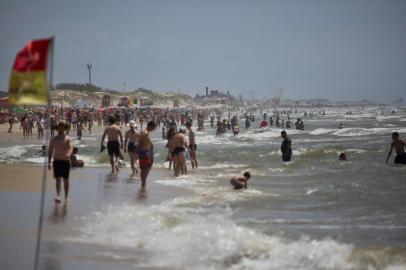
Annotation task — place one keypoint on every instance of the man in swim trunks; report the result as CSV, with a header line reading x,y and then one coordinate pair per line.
x,y
113,133
60,149
399,146
145,152
286,147
192,145
130,145
239,182
180,146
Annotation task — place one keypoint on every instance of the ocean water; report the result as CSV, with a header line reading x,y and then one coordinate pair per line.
x,y
314,212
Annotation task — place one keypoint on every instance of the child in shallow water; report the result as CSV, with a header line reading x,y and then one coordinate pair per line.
x,y
240,181
75,163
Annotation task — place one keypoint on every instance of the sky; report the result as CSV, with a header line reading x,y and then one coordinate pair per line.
x,y
340,50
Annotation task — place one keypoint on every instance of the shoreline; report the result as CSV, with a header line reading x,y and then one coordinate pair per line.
x,y
27,177
92,190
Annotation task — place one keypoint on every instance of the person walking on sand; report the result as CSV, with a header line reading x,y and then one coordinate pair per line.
x,y
113,133
130,145
399,146
286,147
192,145
60,149
146,152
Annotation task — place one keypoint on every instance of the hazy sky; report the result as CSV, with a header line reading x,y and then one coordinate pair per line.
x,y
334,49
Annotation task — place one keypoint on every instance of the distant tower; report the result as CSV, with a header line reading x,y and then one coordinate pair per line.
x,y
89,67
207,91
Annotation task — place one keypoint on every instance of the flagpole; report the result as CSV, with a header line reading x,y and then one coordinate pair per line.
x,y
45,167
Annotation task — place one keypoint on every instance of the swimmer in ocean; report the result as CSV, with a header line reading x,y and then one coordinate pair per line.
x,y
286,147
399,146
342,157
240,181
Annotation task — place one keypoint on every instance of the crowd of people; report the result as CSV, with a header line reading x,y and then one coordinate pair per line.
x,y
177,131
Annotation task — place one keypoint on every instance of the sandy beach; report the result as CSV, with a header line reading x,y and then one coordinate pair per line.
x,y
91,189
23,178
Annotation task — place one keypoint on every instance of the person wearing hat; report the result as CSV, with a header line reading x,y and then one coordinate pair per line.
x,y
130,144
60,149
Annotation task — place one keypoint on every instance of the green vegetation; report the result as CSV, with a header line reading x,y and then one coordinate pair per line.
x,y
83,87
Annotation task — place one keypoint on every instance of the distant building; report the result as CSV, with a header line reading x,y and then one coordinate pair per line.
x,y
214,92
214,95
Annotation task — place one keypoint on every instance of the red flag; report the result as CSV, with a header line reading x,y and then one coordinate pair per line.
x,y
28,80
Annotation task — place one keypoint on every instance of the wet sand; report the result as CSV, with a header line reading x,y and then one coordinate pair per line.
x,y
17,135
92,189
23,178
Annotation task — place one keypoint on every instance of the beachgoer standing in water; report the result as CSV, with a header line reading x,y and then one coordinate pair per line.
x,y
145,152
286,147
24,126
399,146
192,145
79,130
11,121
60,149
130,145
170,145
180,146
113,132
40,127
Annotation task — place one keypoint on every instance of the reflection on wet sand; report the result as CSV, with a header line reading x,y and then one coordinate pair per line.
x,y
53,251
132,179
111,177
59,214
142,195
